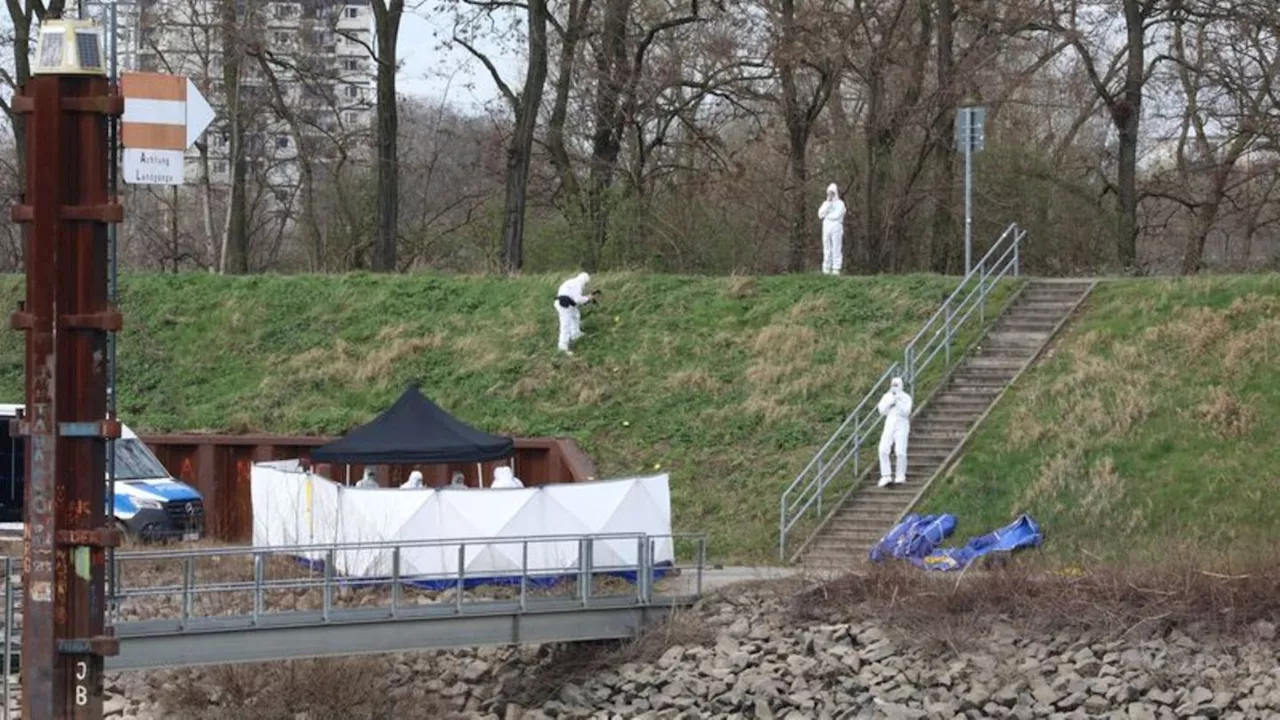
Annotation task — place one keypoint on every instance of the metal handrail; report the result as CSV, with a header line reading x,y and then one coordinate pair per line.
x,y
937,336
329,581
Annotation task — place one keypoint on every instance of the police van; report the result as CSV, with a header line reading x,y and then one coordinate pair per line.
x,y
149,503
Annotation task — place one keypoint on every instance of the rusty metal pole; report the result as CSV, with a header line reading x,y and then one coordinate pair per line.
x,y
66,210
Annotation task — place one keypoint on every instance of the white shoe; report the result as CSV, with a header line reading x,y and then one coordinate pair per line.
x,y
899,481
884,481
566,351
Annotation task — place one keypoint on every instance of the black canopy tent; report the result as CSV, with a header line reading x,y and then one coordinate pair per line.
x,y
414,431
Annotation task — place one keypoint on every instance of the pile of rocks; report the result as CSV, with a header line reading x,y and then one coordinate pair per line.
x,y
756,663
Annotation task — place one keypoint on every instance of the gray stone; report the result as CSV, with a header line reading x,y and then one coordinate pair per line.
x,y
1265,631
1096,705
763,711
1072,701
113,705
671,657
1163,697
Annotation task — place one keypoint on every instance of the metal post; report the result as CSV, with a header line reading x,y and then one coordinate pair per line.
x,y
588,548
188,577
67,318
328,585
257,586
395,580
462,562
640,568
702,561
524,572
113,292
968,204
8,631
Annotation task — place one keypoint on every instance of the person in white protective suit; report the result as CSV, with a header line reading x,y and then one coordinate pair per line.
x,y
569,297
503,477
414,481
895,406
831,212
367,481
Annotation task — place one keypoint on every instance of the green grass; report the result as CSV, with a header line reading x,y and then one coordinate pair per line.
x,y
729,384
1151,429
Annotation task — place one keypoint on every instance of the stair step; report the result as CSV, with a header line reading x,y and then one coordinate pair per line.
x,y
979,372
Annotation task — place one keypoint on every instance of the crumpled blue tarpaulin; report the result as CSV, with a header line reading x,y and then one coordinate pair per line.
x,y
916,539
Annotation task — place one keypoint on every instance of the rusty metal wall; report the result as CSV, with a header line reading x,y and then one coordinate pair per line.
x,y
218,466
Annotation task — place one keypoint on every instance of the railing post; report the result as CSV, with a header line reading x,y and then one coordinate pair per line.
x,y
188,577
1017,250
462,570
585,564
258,563
950,314
328,584
8,631
640,572
650,568
524,572
782,529
702,562
821,485
395,580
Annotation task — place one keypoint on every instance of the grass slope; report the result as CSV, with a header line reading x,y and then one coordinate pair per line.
x,y
729,384
1153,427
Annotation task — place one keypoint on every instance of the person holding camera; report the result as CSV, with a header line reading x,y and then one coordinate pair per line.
x,y
570,296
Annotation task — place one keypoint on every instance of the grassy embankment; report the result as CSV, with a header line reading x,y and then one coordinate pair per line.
x,y
1151,432
729,384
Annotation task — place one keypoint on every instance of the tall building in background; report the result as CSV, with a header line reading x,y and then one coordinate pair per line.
x,y
305,78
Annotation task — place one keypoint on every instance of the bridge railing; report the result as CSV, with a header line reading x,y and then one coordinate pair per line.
x,y
247,584
839,464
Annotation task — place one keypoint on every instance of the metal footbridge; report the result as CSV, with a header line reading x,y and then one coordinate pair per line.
x,y
183,607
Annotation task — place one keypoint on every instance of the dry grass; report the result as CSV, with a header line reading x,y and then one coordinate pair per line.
x,y
375,364
323,689
1107,602
741,287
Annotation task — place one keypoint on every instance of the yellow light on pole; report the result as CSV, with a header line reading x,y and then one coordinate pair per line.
x,y
69,47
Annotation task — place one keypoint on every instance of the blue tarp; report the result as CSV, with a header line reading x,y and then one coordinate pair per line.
x,y
914,537
916,540
1021,533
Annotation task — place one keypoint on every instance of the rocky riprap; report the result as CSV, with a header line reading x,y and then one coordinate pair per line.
x,y
748,658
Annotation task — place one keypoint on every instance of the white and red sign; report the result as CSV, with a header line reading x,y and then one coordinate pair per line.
x,y
163,116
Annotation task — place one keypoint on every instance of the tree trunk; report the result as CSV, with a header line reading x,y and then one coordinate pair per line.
x,y
556,148
797,163
235,243
520,150
387,27
1127,115
944,241
606,140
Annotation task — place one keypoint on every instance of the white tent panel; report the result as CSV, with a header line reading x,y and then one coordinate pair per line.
x,y
292,507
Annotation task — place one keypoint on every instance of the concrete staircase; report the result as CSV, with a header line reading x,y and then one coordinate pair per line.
x,y
940,427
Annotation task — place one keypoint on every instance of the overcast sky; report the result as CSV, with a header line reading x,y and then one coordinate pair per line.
x,y
449,74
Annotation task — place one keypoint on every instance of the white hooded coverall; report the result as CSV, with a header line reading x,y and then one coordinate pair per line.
x,y
570,295
831,212
503,477
414,481
895,406
367,481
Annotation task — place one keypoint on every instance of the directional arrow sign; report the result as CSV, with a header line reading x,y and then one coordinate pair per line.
x,y
163,116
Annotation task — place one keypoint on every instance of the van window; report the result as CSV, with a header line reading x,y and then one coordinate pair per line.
x,y
134,461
